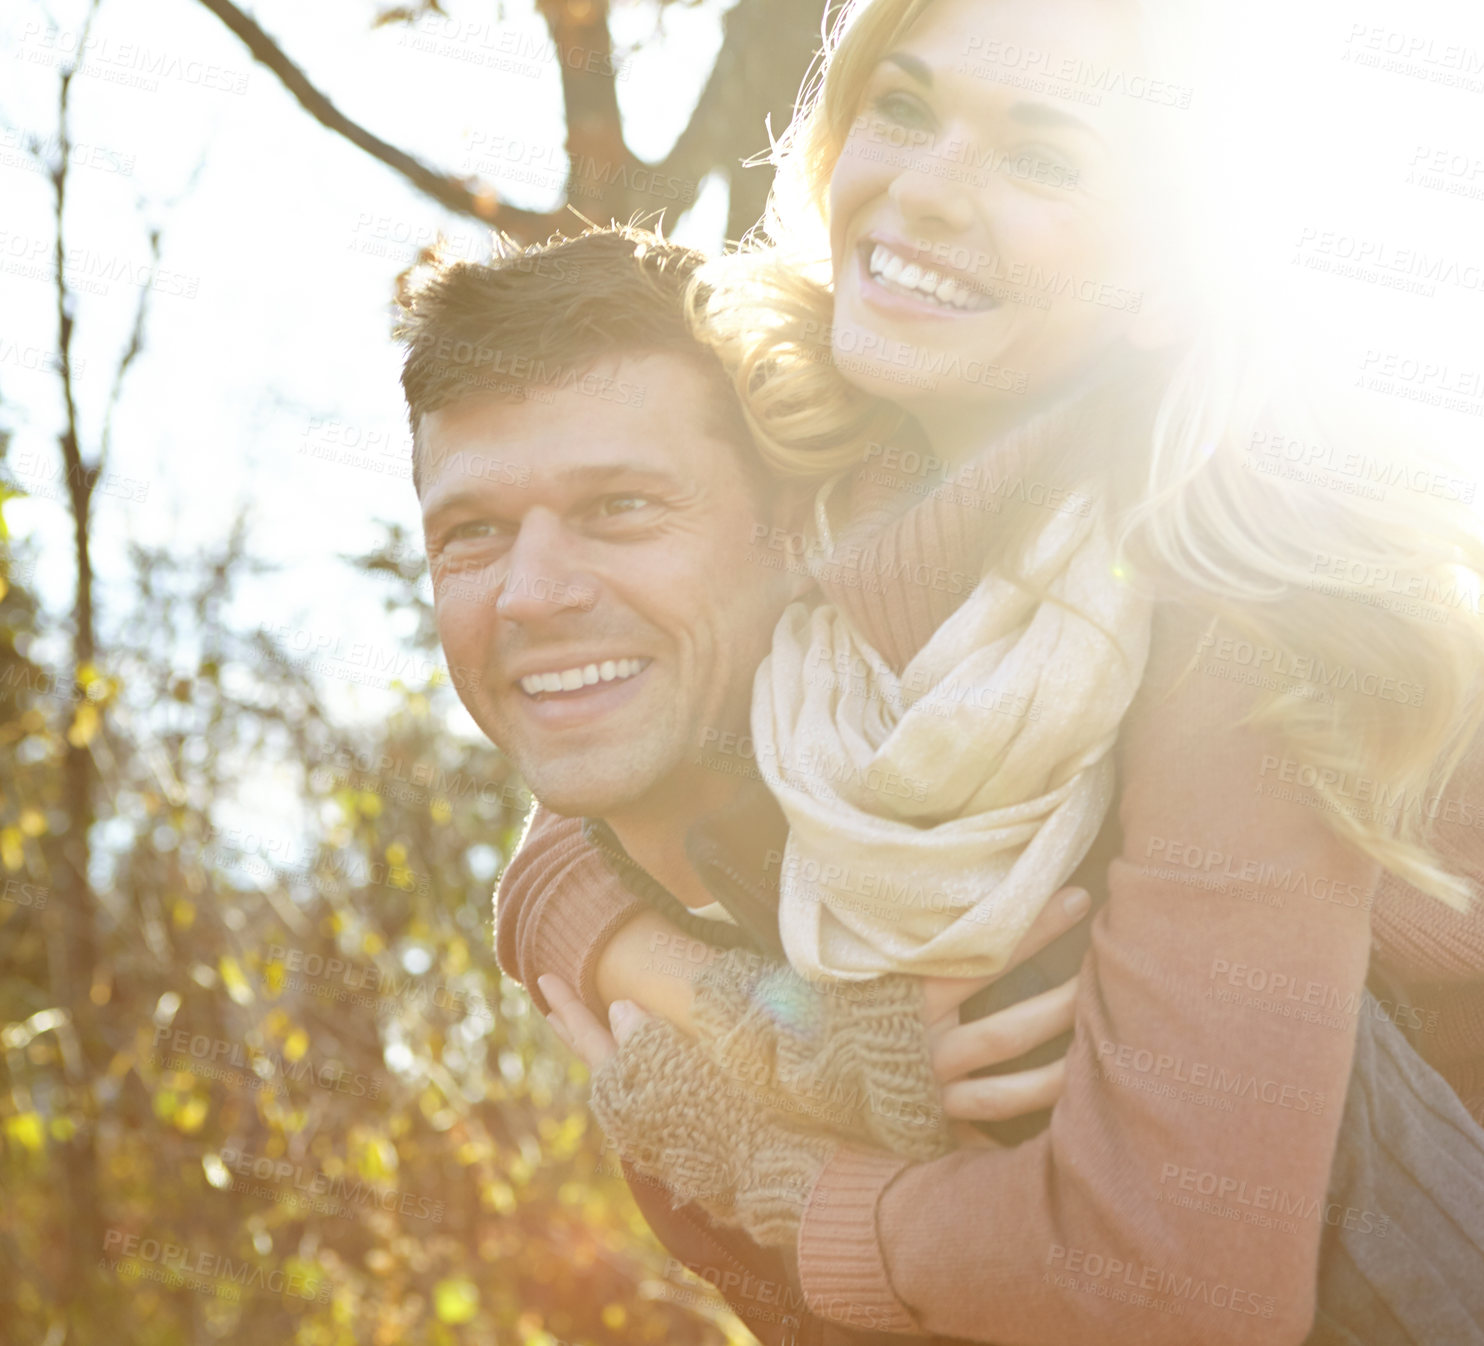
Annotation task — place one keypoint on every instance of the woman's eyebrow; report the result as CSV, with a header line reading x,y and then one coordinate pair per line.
x,y
1038,114
911,66
1049,116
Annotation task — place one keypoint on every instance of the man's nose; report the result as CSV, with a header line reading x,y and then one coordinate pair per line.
x,y
543,576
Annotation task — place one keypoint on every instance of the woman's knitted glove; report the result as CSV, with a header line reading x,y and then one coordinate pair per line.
x,y
850,1056
676,1116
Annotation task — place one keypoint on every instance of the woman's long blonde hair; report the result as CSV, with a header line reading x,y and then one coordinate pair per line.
x,y
1194,518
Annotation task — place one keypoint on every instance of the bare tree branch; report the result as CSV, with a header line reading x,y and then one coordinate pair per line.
x,y
71,934
80,477
455,194
131,352
766,45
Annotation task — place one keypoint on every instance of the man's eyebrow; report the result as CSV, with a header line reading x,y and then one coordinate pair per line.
x,y
590,476
598,474
435,505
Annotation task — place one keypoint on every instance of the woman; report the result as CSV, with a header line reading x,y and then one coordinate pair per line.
x,y
1092,1231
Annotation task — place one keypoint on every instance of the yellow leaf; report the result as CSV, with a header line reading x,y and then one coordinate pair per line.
x,y
455,1301
25,1129
378,1159
190,1115
370,803
217,1173
233,980
84,725
183,913
498,1196
614,1317
296,1044
307,1271
63,1128
12,854
32,822
396,854
440,811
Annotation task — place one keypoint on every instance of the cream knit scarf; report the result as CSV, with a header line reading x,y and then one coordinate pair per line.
x,y
934,813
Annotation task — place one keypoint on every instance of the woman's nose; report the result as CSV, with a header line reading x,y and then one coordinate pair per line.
x,y
931,201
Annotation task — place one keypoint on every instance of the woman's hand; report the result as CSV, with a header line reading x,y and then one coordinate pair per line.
x,y
959,1049
651,962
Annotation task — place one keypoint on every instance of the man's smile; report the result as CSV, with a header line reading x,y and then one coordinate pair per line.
x,y
569,693
578,676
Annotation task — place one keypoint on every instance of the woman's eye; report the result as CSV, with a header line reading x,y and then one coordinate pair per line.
x,y
1043,165
904,109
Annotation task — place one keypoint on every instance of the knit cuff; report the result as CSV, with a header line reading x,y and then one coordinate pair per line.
x,y
841,1267
850,1056
676,1116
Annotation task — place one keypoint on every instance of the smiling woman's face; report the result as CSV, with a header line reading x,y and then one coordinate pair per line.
x,y
985,212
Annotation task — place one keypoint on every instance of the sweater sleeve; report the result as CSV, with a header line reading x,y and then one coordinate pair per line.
x,y
1177,1195
557,905
570,886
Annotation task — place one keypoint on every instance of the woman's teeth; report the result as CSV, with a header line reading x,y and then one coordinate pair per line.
x,y
900,276
570,679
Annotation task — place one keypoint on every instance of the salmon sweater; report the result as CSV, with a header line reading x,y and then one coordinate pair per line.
x,y
1215,1016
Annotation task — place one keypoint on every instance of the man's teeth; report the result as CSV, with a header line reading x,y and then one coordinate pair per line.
x,y
896,273
570,679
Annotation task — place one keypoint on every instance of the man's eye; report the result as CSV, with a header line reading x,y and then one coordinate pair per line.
x,y
474,531
613,505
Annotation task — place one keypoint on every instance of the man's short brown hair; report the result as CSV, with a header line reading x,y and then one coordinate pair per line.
x,y
543,316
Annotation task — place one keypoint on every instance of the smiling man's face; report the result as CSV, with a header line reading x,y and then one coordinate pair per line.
x,y
592,582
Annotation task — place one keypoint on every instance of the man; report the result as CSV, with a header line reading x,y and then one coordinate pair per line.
x,y
591,504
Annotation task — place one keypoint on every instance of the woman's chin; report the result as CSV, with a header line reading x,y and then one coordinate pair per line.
x,y
876,377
